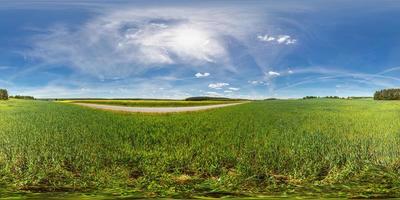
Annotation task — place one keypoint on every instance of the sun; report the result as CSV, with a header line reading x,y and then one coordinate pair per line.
x,y
189,38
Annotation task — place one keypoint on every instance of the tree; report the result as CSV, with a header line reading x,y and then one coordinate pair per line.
x,y
3,94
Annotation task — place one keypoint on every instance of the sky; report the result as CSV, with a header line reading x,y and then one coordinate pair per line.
x,y
177,49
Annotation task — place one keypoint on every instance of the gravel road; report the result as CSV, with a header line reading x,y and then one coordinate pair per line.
x,y
155,109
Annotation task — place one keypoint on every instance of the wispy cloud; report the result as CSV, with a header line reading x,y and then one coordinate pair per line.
x,y
137,88
393,69
234,89
4,83
5,67
218,86
273,74
131,41
335,75
279,39
213,93
257,82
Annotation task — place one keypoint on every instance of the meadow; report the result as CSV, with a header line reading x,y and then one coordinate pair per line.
x,y
317,147
153,103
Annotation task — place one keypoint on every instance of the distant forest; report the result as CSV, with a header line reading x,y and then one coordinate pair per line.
x,y
387,94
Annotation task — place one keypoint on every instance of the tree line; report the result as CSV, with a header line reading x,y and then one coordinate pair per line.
x,y
205,98
387,94
23,97
4,96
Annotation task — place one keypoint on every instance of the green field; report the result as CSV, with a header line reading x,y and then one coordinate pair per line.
x,y
321,147
153,103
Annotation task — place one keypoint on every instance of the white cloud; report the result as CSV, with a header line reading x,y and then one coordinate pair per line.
x,y
273,74
266,38
201,75
290,71
280,39
291,41
228,91
283,38
217,86
234,89
286,39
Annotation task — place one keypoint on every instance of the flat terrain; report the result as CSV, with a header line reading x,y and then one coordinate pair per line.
x,y
155,109
322,147
154,103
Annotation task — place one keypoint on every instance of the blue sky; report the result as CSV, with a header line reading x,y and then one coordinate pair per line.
x,y
177,49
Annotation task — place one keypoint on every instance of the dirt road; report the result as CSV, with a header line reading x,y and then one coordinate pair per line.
x,y
155,109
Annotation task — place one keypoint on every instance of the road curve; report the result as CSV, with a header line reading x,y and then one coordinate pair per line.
x,y
155,109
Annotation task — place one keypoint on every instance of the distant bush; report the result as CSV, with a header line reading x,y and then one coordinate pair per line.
x,y
271,99
3,94
355,97
326,97
310,97
334,97
387,94
210,98
23,97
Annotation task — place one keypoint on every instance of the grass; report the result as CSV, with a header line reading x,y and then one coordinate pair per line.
x,y
340,148
153,103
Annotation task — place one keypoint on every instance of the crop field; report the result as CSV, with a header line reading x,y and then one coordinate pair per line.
x,y
319,147
153,103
